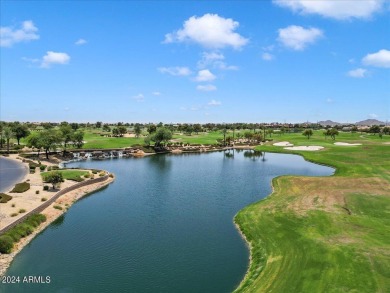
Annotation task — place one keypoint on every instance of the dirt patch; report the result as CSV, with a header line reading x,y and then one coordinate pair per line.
x,y
302,194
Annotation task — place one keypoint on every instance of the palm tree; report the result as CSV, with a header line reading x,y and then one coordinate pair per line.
x,y
8,134
224,131
308,133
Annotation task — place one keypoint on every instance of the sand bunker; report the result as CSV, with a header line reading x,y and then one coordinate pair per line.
x,y
305,148
346,143
283,143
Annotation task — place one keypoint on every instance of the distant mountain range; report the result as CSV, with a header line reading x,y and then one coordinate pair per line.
x,y
329,122
367,122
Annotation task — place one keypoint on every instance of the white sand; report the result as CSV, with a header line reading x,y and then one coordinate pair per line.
x,y
283,144
305,148
346,143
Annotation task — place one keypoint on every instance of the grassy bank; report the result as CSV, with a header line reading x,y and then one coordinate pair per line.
x,y
323,234
75,175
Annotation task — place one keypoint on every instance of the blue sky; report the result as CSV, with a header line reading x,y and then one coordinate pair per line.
x,y
195,61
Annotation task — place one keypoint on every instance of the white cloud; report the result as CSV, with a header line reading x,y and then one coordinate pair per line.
x,y
378,59
206,88
357,73
156,93
267,56
204,76
10,36
54,58
139,97
214,60
80,42
297,37
373,116
176,71
210,31
214,103
345,9
31,60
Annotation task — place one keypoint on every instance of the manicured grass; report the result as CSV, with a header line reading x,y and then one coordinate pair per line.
x,y
75,175
323,234
95,141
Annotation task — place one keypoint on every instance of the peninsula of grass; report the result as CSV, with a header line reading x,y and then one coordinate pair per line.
x,y
75,175
323,234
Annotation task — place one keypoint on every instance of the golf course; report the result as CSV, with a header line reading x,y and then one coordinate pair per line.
x,y
328,234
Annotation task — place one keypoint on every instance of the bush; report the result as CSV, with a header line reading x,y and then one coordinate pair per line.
x,y
57,207
42,167
13,235
32,164
86,176
5,198
51,168
21,211
43,199
14,214
36,191
46,187
21,187
111,175
13,205
6,244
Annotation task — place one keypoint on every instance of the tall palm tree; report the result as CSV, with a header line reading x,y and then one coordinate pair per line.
x,y
8,134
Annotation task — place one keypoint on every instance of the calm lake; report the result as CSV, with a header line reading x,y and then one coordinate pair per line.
x,y
164,225
11,172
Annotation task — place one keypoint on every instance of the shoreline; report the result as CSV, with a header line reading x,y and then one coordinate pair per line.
x,y
51,213
20,178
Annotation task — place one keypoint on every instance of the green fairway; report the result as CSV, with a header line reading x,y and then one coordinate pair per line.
x,y
75,175
96,141
323,234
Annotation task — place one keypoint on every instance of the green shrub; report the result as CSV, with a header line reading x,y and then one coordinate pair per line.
x,y
111,175
14,214
32,164
36,191
19,231
6,244
5,198
51,168
94,171
46,187
21,211
57,207
35,220
21,187
86,176
43,199
13,205
42,167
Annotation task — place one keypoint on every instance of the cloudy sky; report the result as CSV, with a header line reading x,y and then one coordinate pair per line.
x,y
192,61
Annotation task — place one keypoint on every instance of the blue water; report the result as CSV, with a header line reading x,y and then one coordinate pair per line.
x,y
164,225
11,172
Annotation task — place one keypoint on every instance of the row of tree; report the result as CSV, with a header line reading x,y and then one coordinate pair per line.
x,y
52,138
